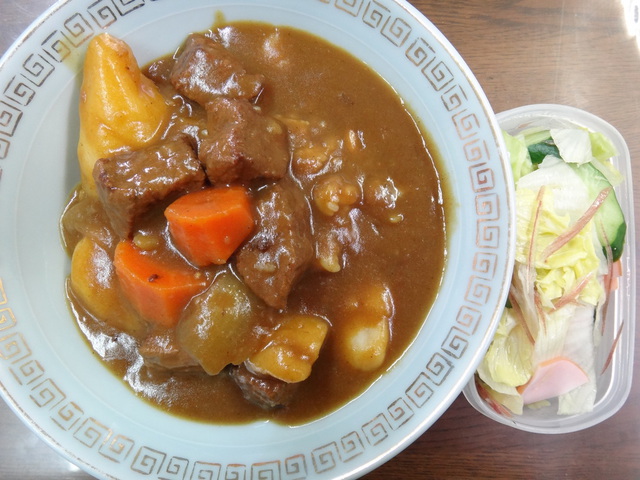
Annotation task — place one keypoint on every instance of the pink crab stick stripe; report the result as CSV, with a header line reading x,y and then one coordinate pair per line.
x,y
553,377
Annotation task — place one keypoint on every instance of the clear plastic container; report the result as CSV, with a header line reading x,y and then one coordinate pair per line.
x,y
614,384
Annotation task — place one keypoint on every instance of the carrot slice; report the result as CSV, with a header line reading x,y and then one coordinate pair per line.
x,y
207,226
159,292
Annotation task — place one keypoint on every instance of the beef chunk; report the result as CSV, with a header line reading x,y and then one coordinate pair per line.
x,y
263,390
205,69
160,349
281,250
160,70
129,183
242,143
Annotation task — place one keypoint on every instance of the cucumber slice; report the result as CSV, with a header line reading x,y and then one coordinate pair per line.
x,y
538,151
612,227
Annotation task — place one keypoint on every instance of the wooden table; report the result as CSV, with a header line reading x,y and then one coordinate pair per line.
x,y
583,53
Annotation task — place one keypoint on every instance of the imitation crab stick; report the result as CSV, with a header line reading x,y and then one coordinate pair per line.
x,y
159,292
552,378
207,226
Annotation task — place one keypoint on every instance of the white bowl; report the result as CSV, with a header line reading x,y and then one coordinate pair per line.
x,y
47,373
614,385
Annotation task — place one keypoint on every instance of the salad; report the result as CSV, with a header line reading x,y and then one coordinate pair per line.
x,y
570,234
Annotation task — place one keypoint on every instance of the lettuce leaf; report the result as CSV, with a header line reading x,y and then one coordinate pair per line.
x,y
549,199
570,194
579,346
603,150
508,362
601,147
573,144
518,156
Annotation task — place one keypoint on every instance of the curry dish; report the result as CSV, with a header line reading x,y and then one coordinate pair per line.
x,y
259,230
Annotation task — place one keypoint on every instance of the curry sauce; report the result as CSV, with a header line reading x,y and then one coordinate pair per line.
x,y
349,229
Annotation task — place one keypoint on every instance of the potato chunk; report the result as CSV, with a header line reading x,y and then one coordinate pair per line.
x,y
95,285
364,331
120,109
292,349
365,340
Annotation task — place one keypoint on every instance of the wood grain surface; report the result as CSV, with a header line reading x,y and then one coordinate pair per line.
x,y
575,52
